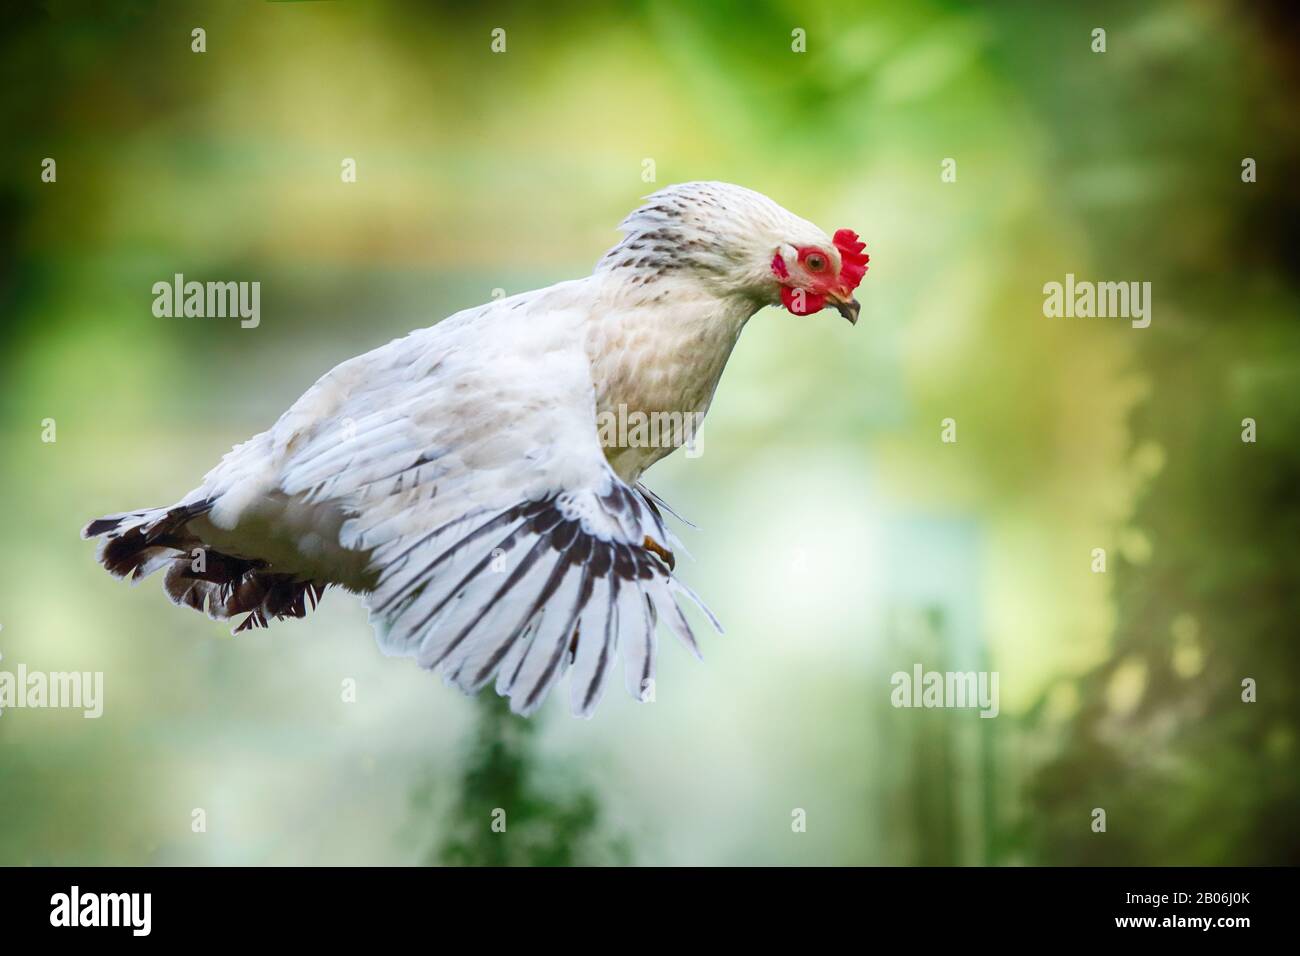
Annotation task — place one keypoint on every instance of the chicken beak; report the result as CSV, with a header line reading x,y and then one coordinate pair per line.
x,y
848,307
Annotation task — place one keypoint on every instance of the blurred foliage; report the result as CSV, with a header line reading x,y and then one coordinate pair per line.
x,y
498,786
843,543
1207,574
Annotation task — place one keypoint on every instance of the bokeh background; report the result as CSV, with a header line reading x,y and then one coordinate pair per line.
x,y
841,540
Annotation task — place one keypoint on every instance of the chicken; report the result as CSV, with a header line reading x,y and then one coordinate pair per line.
x,y
456,477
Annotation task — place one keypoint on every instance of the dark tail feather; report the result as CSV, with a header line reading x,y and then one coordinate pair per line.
x,y
139,543
101,525
136,540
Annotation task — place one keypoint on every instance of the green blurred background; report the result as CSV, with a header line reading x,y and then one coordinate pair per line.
x,y
841,540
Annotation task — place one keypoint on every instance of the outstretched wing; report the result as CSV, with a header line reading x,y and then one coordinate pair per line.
x,y
503,546
567,581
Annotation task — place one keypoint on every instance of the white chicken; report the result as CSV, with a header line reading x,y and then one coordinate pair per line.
x,y
456,477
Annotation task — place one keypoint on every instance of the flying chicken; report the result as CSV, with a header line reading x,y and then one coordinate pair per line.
x,y
456,477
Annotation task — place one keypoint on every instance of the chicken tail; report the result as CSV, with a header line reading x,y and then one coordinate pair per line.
x,y
138,543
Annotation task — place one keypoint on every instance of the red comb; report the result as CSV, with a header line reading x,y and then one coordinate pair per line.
x,y
853,261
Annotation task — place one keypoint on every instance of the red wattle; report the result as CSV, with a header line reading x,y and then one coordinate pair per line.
x,y
811,301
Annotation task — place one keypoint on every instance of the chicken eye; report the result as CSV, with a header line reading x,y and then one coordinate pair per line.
x,y
816,262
